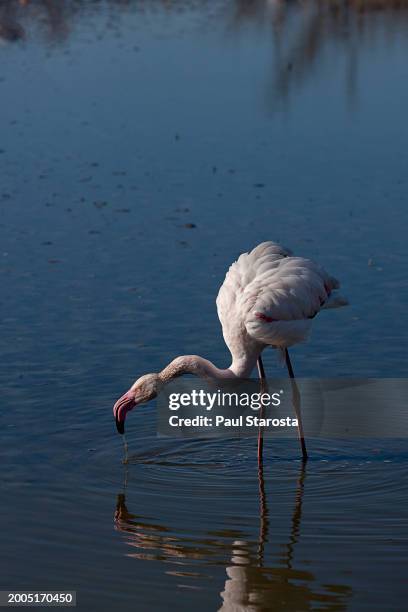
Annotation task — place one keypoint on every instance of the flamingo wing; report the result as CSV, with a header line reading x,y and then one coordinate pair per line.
x,y
272,296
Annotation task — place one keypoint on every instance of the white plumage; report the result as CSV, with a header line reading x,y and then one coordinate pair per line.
x,y
270,297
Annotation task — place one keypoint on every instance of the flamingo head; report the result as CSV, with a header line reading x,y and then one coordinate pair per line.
x,y
143,390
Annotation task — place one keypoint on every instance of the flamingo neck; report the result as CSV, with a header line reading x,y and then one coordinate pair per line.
x,y
203,368
193,364
242,368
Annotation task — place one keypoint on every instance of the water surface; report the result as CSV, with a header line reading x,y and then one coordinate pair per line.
x,y
143,146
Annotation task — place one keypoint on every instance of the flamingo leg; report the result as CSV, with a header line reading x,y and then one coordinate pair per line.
x,y
263,516
296,404
262,377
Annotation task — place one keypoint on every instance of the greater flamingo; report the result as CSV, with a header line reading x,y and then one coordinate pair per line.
x,y
268,298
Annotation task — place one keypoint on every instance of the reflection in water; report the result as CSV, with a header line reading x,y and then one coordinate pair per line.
x,y
303,32
250,584
10,29
14,14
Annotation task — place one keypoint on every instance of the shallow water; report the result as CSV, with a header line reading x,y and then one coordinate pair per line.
x,y
122,126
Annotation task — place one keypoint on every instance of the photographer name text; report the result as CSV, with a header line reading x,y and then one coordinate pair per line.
x,y
240,421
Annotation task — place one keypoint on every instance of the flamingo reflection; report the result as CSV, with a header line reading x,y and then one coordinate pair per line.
x,y
252,586
252,583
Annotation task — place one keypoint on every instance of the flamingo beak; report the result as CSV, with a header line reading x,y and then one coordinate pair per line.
x,y
121,408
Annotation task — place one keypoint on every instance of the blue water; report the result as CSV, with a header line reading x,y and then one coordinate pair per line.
x,y
123,124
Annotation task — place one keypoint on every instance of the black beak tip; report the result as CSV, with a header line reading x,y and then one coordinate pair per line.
x,y
120,426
